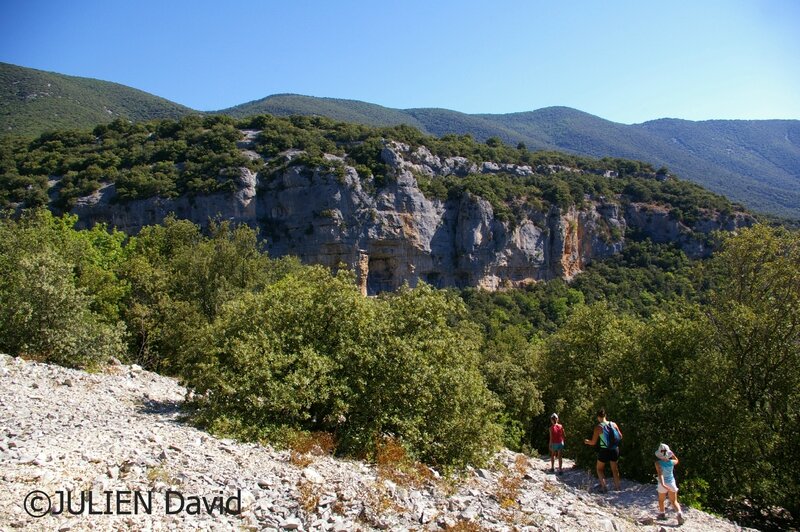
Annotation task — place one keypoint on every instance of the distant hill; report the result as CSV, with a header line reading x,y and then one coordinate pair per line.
x,y
33,101
337,109
754,162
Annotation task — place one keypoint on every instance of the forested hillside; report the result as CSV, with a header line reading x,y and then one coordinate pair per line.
x,y
334,108
33,101
704,356
754,162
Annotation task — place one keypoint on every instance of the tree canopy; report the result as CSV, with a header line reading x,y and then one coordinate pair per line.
x,y
703,355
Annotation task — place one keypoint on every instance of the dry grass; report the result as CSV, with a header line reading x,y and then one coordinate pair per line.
x,y
378,502
510,481
313,443
304,446
450,484
508,490
465,526
338,507
393,463
551,487
113,369
300,460
309,496
159,474
33,357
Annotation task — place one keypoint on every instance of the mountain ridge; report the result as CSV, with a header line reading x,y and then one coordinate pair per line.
x,y
756,162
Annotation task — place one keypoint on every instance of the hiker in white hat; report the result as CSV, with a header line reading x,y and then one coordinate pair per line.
x,y
665,464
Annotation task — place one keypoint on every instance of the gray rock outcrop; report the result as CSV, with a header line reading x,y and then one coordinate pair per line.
x,y
395,234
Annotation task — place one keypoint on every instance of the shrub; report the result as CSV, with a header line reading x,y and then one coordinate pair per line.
x,y
320,357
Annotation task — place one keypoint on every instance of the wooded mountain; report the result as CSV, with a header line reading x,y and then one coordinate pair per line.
x,y
755,162
571,285
34,101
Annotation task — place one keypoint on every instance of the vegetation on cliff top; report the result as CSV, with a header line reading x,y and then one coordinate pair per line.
x,y
199,155
702,355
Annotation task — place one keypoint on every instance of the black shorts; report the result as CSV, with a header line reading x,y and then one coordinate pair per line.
x,y
608,455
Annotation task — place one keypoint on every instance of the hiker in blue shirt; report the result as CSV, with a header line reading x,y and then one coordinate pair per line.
x,y
665,466
609,436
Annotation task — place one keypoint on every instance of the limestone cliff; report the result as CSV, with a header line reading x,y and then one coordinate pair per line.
x,y
394,234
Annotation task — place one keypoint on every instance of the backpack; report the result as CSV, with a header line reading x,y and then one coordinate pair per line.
x,y
611,435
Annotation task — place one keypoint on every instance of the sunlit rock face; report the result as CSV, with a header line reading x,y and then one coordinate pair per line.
x,y
394,234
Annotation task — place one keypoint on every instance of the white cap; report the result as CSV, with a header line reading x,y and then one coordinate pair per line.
x,y
554,416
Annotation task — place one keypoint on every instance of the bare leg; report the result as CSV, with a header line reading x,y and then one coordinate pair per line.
x,y
673,499
615,472
661,498
560,467
601,474
552,459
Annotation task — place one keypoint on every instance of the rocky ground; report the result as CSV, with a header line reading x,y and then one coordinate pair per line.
x,y
120,432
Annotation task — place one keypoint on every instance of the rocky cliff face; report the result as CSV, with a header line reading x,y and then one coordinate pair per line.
x,y
656,223
395,234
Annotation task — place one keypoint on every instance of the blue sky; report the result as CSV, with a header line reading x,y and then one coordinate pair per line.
x,y
627,61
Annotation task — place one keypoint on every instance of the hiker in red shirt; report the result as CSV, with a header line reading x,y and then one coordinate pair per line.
x,y
556,443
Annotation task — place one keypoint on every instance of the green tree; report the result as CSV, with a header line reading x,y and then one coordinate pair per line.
x,y
179,280
310,353
429,388
510,367
752,389
494,142
580,371
44,312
